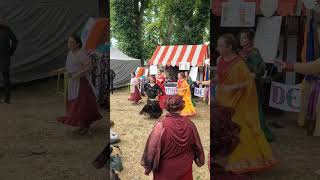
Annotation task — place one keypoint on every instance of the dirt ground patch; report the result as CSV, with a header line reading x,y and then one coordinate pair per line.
x,y
34,146
135,129
298,153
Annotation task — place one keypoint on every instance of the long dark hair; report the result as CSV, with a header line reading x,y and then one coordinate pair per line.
x,y
249,33
77,39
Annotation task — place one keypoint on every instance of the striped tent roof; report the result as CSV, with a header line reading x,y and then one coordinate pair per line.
x,y
173,55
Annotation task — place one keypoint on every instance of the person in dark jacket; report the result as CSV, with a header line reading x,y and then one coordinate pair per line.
x,y
8,45
112,76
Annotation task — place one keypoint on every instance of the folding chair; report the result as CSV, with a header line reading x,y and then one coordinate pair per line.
x,y
63,91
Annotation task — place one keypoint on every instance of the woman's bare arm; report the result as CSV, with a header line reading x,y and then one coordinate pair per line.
x,y
307,68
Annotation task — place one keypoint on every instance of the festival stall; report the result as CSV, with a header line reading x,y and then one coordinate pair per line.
x,y
285,29
177,58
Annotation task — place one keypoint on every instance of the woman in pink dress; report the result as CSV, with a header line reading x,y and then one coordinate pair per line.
x,y
134,89
161,81
173,145
82,107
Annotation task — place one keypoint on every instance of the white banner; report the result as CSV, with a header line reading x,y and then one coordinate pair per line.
x,y
183,66
153,70
267,37
193,73
285,97
199,92
238,14
171,90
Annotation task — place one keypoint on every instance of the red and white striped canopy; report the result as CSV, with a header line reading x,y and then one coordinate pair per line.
x,y
173,55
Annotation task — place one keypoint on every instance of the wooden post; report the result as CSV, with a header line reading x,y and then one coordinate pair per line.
x,y
104,10
285,44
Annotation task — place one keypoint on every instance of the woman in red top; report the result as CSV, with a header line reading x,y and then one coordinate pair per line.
x,y
173,145
161,81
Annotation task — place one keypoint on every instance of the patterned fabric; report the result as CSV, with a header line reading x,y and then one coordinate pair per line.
x,y
253,153
100,75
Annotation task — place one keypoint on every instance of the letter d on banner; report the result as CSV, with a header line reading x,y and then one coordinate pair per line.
x,y
285,97
278,95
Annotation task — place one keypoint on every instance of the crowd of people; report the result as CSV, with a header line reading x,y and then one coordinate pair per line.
x,y
174,142
154,89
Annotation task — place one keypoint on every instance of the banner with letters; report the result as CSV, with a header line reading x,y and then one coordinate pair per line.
x,y
171,90
199,92
285,97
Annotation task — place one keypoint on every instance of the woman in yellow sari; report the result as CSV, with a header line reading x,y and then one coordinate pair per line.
x,y
184,91
236,89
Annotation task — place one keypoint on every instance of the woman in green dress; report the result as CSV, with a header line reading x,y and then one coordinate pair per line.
x,y
256,65
190,82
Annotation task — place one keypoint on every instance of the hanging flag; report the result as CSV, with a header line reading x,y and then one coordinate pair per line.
x,y
310,42
207,74
139,72
304,47
310,53
204,74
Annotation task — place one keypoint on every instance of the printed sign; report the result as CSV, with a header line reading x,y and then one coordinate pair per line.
x,y
171,90
285,97
238,14
193,73
199,92
183,66
153,70
267,37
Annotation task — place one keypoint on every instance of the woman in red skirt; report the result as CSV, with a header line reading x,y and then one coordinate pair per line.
x,y
161,81
82,107
134,89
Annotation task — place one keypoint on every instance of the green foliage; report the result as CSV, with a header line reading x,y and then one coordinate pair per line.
x,y
159,22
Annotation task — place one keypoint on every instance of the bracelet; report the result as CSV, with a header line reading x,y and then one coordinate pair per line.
x,y
289,67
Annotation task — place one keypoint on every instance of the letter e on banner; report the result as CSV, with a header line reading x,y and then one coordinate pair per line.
x,y
285,97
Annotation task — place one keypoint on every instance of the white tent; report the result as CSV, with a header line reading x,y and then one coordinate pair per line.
x,y
122,65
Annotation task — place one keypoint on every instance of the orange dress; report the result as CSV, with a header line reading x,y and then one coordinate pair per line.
x,y
253,152
184,91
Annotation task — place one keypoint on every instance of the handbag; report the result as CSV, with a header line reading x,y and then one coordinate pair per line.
x,y
115,161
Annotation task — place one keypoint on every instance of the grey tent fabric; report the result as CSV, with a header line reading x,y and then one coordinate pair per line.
x,y
42,28
122,65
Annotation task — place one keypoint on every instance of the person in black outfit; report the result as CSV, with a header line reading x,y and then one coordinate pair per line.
x,y
112,76
153,91
8,45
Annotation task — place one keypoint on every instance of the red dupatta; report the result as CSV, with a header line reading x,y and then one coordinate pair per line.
x,y
160,80
244,52
223,68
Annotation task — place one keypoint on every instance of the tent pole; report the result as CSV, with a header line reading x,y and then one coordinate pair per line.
x,y
104,10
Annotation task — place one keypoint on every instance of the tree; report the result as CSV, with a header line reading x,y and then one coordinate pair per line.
x,y
158,22
126,25
171,22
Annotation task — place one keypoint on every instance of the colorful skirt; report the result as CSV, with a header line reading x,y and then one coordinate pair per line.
x,y
188,109
152,108
135,97
312,114
82,111
162,100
